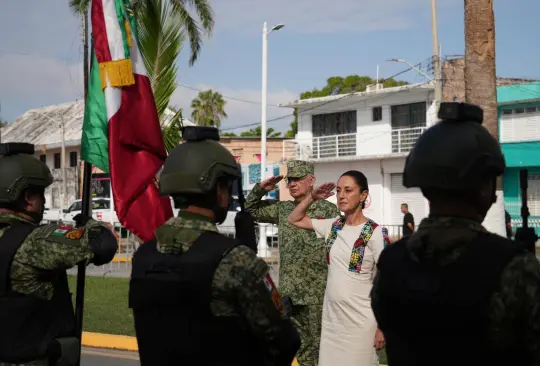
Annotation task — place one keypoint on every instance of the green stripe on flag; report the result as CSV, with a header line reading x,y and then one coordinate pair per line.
x,y
122,18
95,133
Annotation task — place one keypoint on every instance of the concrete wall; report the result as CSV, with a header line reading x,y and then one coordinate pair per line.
x,y
248,149
379,207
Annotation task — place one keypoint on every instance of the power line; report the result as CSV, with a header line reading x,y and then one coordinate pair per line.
x,y
228,97
318,106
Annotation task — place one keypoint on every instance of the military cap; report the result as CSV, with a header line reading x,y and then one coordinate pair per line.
x,y
299,168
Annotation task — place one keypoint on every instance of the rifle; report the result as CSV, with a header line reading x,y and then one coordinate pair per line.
x,y
525,234
244,223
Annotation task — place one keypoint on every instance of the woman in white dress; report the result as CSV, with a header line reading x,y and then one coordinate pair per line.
x,y
350,336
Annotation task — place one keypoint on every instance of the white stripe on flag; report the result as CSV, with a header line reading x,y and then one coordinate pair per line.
x,y
114,33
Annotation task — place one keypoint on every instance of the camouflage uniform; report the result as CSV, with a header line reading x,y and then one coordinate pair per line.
x,y
240,272
445,238
42,252
302,260
452,278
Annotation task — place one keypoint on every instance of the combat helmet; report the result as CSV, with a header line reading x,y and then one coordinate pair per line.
x,y
195,166
456,154
19,169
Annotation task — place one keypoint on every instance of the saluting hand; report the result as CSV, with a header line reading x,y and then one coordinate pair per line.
x,y
270,183
323,191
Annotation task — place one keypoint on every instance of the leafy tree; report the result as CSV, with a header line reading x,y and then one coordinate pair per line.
x,y
258,132
229,134
2,122
208,109
338,85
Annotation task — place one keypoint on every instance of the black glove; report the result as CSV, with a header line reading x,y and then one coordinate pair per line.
x,y
287,301
81,220
245,229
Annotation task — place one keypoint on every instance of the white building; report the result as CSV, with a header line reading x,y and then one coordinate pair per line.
x,y
372,132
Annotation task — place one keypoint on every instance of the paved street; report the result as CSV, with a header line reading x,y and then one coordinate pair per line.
x,y
103,357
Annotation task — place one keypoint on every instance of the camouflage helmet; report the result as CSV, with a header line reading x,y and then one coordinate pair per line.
x,y
19,169
195,166
456,154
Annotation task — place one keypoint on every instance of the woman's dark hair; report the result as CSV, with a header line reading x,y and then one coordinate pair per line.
x,y
360,179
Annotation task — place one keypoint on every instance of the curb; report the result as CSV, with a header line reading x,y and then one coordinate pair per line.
x,y
119,342
100,340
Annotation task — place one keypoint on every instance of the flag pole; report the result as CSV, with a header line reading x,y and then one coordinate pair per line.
x,y
86,200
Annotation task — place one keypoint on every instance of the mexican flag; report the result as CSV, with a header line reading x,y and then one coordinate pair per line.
x,y
121,130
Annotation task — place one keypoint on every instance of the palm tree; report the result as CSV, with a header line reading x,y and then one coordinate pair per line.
x,y
208,109
163,26
193,28
161,37
480,72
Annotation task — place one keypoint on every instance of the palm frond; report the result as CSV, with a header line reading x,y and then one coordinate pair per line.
x,y
79,6
161,38
204,11
206,16
171,133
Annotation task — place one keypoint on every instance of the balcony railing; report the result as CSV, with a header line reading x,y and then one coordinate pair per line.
x,y
403,139
352,144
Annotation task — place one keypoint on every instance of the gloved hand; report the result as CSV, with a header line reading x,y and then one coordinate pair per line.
x,y
245,229
81,220
287,301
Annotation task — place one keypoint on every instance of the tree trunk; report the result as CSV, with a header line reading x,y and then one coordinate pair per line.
x,y
480,77
480,74
481,81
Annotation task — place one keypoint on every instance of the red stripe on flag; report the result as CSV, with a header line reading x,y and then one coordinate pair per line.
x,y
99,32
136,153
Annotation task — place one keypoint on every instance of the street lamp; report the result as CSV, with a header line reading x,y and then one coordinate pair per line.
x,y
265,33
63,158
412,67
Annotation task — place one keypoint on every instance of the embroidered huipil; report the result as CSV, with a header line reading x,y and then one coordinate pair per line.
x,y
348,325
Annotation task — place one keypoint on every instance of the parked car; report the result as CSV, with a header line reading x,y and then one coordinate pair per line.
x,y
101,210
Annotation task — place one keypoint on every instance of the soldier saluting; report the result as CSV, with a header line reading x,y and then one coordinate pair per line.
x,y
36,310
199,297
302,257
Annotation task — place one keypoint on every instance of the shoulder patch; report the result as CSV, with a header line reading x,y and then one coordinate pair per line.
x,y
271,287
75,234
61,231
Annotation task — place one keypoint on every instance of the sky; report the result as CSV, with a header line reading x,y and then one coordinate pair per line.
x,y
41,50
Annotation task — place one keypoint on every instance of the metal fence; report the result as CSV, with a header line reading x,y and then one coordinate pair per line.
x,y
128,244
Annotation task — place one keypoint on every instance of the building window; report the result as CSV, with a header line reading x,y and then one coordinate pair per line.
x,y
408,115
43,158
57,162
73,159
519,111
330,124
377,114
325,127
531,110
507,112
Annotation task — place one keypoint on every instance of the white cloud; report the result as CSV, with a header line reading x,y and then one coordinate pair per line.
x,y
240,112
34,77
46,80
321,16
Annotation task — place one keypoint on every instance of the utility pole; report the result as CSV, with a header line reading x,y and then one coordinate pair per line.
x,y
436,56
63,162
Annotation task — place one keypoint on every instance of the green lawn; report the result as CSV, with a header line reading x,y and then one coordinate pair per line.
x,y
106,306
